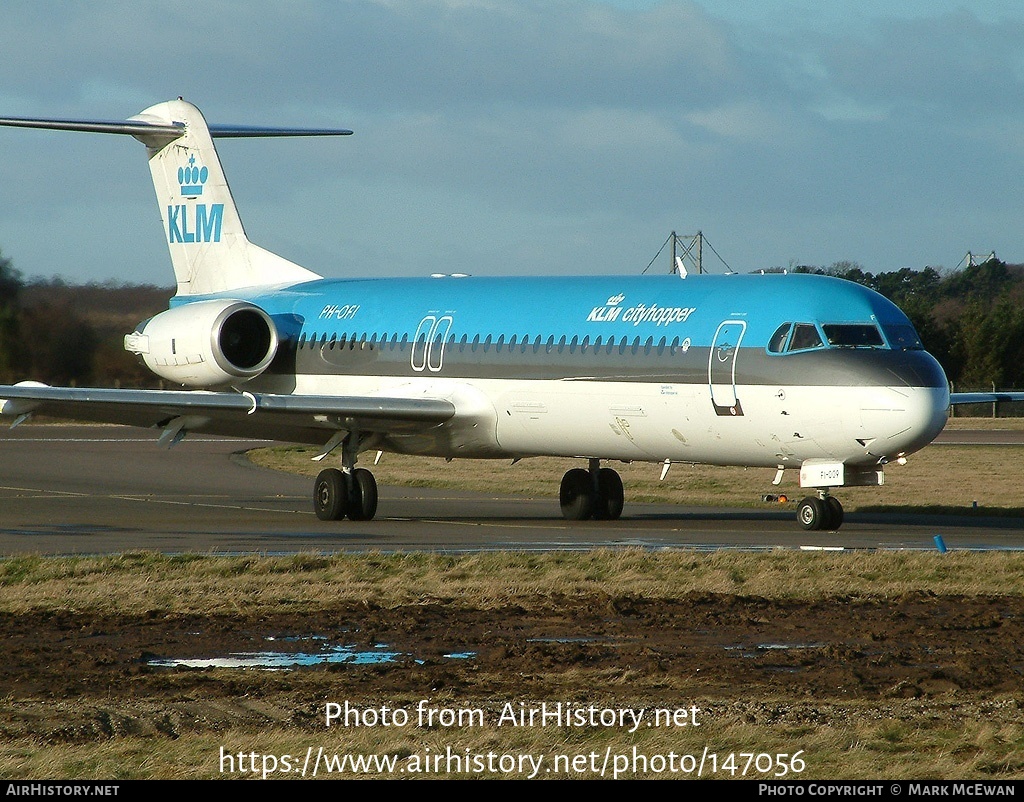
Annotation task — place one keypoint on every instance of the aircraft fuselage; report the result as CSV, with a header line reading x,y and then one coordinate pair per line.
x,y
624,368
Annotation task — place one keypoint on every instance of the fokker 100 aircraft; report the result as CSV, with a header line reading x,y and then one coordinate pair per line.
x,y
801,372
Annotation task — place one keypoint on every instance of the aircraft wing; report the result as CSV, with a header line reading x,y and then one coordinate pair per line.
x,y
984,398
292,418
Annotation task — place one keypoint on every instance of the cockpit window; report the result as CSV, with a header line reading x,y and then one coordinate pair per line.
x,y
777,343
902,337
791,337
853,335
805,335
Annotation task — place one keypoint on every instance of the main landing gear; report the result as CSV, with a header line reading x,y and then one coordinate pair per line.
x,y
350,493
596,493
338,494
824,512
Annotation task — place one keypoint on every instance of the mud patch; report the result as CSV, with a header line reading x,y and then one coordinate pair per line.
x,y
647,651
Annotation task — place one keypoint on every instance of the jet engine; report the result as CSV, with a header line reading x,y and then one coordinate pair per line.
x,y
206,343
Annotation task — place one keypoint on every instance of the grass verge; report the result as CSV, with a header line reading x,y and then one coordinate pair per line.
x,y
142,583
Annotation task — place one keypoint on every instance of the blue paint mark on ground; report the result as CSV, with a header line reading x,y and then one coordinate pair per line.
x,y
349,654
330,654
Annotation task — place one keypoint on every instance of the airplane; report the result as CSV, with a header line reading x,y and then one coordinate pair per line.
x,y
780,371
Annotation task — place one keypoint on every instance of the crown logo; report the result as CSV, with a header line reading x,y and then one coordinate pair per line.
x,y
615,300
192,178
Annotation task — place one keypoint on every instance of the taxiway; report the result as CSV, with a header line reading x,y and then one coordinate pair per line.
x,y
71,489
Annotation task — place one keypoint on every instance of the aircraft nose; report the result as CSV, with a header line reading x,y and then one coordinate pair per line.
x,y
905,419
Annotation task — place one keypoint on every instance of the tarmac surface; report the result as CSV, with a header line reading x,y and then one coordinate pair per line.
x,y
74,489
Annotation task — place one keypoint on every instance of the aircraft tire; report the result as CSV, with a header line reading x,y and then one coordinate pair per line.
x,y
362,503
610,496
576,495
811,513
330,495
835,513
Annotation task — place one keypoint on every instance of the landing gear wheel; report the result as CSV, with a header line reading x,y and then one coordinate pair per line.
x,y
362,500
330,495
610,496
576,495
835,513
811,513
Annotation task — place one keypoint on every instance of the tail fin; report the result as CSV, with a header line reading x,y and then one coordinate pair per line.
x,y
210,252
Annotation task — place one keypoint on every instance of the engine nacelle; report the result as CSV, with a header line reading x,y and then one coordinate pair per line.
x,y
206,343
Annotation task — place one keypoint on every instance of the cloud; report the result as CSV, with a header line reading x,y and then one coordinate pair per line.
x,y
952,66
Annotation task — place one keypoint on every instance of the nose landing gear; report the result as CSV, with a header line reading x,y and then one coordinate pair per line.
x,y
824,512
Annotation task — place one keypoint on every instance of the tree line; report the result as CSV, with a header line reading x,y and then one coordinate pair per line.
x,y
972,320
73,334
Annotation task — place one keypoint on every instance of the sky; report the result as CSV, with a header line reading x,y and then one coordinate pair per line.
x,y
495,137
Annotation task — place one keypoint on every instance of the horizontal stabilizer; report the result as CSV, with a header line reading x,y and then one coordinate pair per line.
x,y
225,131
131,127
136,127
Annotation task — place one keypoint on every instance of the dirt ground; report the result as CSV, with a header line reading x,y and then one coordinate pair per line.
x,y
74,678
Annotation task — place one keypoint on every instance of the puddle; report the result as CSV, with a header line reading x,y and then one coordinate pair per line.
x,y
378,654
768,647
562,640
760,648
332,654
